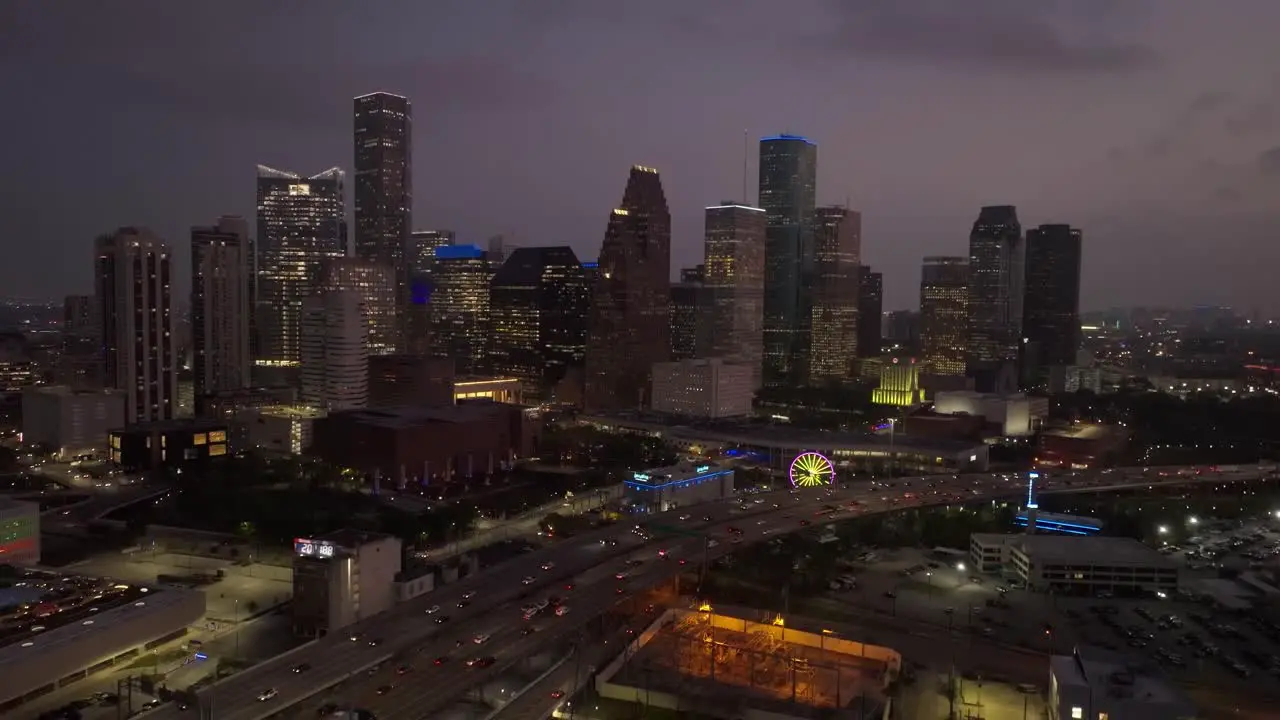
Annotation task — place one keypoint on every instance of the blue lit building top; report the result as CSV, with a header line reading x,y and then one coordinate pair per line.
x,y
689,483
459,252
591,265
787,138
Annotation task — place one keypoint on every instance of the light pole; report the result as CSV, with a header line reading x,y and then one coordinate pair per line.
x,y
235,618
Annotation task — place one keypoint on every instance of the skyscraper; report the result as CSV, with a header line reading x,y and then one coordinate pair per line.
x,y
686,310
1051,304
422,249
538,316
383,178
301,221
734,277
788,191
995,289
870,313
375,284
834,324
220,267
133,279
80,362
629,324
335,355
459,306
944,316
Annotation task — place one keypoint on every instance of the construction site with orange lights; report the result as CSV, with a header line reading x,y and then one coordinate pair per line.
x,y
709,664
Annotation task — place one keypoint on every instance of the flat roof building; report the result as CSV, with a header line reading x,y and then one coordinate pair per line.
x,y
704,388
1074,564
342,577
662,489
70,422
1092,684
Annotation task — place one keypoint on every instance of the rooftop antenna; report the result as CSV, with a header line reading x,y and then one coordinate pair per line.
x,y
746,150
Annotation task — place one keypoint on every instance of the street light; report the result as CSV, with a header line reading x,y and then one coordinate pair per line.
x,y
960,567
1163,529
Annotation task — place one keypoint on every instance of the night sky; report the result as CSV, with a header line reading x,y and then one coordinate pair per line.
x,y
1153,125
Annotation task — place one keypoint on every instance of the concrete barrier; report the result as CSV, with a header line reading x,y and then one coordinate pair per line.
x,y
532,684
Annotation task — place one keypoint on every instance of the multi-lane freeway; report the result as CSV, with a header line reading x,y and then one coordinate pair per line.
x,y
390,666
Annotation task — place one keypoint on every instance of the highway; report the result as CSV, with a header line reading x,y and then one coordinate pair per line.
x,y
408,635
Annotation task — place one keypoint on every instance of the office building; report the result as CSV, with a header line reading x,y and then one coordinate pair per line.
x,y
899,382
870,313
401,380
944,318
788,192
708,388
342,578
1078,564
1051,302
734,279
301,221
375,284
80,359
19,532
168,443
995,289
629,328
335,353
383,177
71,422
837,247
220,269
1096,684
687,310
422,250
459,306
135,293
538,316
280,430
1013,415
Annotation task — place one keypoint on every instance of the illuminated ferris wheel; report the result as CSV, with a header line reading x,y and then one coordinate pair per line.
x,y
811,469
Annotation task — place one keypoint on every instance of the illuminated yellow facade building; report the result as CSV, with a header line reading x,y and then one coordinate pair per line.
x,y
944,314
899,382
503,390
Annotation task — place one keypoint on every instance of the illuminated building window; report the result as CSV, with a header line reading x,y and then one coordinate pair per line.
x,y
199,439
216,450
218,436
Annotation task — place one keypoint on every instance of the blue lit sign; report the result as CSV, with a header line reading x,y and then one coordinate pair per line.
x,y
1058,526
702,468
1031,490
640,477
459,252
785,137
201,656
590,265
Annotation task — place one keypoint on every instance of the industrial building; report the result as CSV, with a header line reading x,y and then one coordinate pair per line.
x,y
713,665
342,577
1074,564
70,422
1093,684
662,489
93,625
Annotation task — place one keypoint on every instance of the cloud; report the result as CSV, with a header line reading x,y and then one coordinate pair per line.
x,y
1011,36
1268,163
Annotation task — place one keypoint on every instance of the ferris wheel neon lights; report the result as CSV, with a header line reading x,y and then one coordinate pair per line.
x,y
811,469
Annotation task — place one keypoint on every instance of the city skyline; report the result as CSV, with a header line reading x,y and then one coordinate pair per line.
x,y
1194,154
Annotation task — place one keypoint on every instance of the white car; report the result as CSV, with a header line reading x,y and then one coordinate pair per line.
x,y
468,594
433,609
480,639
548,566
528,580
268,694
685,517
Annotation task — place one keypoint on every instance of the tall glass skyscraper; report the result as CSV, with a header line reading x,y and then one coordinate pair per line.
x,y
384,195
629,328
301,221
995,289
1051,306
833,347
944,314
788,192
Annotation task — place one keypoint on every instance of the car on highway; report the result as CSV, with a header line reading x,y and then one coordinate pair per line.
x,y
440,660
480,639
468,594
562,610
557,694
482,662
384,689
301,668
268,694
548,565
528,580
404,669
622,575
464,603
433,609
442,619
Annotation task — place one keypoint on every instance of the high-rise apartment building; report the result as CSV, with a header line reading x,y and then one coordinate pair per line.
x,y
422,250
383,179
220,268
134,290
375,284
733,248
538,317
995,289
837,249
686,310
80,360
629,328
788,191
1051,302
301,221
870,312
944,316
335,357
459,306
